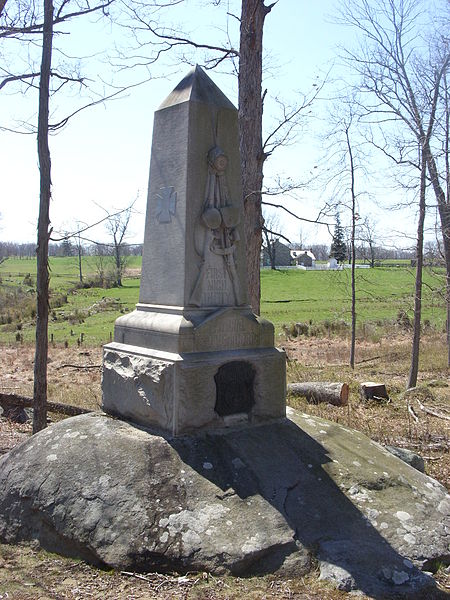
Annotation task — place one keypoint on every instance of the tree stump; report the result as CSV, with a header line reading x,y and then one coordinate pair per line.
x,y
373,391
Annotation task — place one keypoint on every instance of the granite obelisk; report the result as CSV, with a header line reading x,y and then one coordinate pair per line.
x,y
193,355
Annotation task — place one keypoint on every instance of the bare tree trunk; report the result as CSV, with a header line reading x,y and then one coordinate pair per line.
x,y
388,64
117,260
42,278
372,255
414,369
79,260
444,214
445,219
253,15
352,249
270,247
353,334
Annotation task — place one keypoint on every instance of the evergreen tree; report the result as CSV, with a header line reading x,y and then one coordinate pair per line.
x,y
338,245
66,248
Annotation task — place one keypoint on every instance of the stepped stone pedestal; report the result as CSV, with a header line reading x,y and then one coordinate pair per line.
x,y
193,355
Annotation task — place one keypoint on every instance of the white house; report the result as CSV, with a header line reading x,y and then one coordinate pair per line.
x,y
304,258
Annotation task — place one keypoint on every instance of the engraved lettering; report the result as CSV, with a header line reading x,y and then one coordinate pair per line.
x,y
229,335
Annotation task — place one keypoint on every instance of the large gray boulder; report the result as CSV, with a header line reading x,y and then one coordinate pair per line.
x,y
413,459
114,494
245,500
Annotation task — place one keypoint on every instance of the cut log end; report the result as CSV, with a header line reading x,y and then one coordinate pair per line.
x,y
321,391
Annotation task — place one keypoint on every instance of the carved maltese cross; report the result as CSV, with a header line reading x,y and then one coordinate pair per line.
x,y
166,205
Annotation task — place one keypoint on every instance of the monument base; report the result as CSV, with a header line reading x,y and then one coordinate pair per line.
x,y
183,392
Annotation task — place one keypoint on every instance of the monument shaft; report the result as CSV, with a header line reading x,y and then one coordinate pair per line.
x,y
192,354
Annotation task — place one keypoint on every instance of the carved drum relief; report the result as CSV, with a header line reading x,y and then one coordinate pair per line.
x,y
216,237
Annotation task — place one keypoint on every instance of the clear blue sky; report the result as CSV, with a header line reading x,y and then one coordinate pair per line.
x,y
102,156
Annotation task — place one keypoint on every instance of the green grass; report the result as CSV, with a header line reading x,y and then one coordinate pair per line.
x,y
303,296
64,271
80,314
288,296
96,314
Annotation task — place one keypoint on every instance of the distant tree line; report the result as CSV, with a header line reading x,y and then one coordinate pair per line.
x,y
66,248
320,251
366,253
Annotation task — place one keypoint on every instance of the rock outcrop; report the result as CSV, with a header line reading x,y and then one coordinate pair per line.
x,y
244,501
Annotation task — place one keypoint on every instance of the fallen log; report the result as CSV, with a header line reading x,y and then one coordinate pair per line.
x,y
431,412
11,400
411,411
373,391
70,366
321,391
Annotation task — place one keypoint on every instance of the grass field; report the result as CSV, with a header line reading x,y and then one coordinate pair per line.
x,y
91,311
320,299
64,272
324,296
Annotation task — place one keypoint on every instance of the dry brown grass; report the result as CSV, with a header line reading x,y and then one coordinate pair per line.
x,y
385,361
310,359
66,384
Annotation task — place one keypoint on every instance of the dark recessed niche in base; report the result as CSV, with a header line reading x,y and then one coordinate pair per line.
x,y
234,388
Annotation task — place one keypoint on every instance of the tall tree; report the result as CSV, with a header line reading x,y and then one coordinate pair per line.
x,y
26,23
253,15
66,248
403,62
117,226
354,216
271,232
367,235
344,170
42,277
414,368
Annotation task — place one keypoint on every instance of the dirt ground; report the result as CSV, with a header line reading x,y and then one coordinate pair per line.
x,y
75,378
30,575
74,374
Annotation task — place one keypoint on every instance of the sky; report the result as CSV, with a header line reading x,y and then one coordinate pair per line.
x,y
102,157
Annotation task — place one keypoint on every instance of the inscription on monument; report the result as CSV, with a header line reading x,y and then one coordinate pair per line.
x,y
217,289
228,335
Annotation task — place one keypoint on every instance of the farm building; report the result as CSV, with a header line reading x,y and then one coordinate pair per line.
x,y
276,255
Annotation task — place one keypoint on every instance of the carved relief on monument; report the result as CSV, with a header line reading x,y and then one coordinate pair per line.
x,y
216,238
166,204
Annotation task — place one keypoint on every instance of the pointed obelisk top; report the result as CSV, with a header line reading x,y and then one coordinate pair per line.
x,y
197,87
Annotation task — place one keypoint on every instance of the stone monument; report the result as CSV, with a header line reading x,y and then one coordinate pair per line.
x,y
193,355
